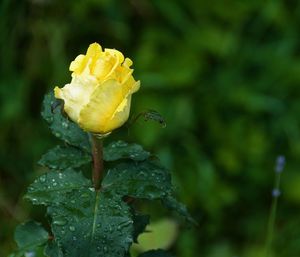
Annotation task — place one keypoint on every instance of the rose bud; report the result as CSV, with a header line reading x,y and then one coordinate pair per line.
x,y
99,95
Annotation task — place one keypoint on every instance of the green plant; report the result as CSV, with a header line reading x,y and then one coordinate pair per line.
x,y
86,218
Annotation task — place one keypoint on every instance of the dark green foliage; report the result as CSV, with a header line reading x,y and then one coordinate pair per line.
x,y
61,126
53,186
89,223
155,116
101,221
140,180
122,150
63,157
170,202
145,180
29,236
84,222
52,249
151,115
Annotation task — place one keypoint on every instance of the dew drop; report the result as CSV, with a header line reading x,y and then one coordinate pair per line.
x,y
60,222
43,178
30,254
65,125
72,228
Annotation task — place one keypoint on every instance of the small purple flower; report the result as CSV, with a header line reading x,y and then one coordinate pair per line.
x,y
276,192
280,162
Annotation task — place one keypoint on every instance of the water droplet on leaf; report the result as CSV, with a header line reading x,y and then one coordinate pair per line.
x,y
60,222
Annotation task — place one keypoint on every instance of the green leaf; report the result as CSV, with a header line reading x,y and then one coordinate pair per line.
x,y
149,115
61,126
52,186
63,157
89,223
155,116
92,224
171,203
122,150
146,180
52,249
156,253
29,236
141,180
84,222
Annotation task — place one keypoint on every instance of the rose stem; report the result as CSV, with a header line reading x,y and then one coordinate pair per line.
x,y
97,152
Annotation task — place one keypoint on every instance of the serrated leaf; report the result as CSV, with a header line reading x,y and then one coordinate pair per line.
x,y
63,157
155,116
150,115
92,224
52,249
84,223
171,203
144,180
61,126
140,180
122,150
156,253
53,186
29,236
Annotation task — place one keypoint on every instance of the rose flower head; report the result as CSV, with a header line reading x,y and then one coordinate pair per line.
x,y
99,95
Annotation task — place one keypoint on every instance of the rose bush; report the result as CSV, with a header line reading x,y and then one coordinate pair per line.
x,y
99,95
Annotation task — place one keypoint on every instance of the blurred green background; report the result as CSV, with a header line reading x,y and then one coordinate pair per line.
x,y
224,74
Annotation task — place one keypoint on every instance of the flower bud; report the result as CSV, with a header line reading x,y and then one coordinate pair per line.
x,y
99,95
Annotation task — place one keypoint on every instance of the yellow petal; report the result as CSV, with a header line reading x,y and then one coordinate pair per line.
x,y
116,53
103,68
99,95
78,64
94,50
88,61
93,54
127,63
75,95
120,116
97,114
130,85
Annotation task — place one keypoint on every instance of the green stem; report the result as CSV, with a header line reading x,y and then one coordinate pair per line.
x,y
97,152
272,217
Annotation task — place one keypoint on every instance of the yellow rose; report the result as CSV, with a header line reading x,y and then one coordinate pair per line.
x,y
99,95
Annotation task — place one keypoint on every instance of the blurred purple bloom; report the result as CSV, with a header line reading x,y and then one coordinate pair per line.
x,y
280,162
